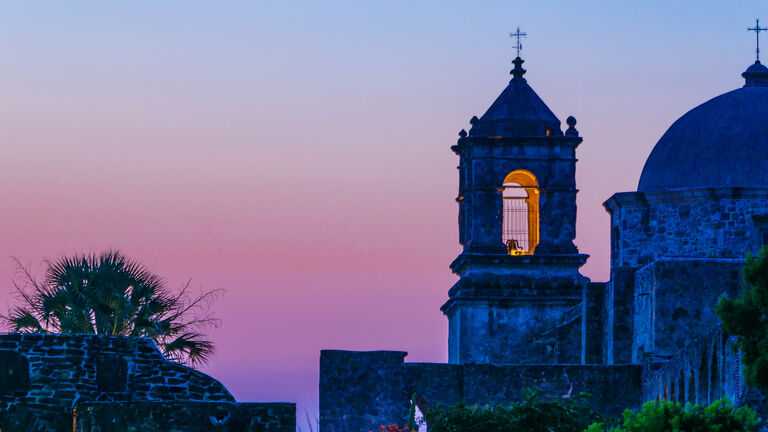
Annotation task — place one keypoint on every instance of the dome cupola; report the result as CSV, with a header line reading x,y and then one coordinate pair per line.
x,y
756,75
722,142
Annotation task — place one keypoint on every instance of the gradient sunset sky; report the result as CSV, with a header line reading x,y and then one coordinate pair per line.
x,y
297,154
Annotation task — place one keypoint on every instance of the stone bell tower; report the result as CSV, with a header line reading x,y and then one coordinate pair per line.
x,y
520,297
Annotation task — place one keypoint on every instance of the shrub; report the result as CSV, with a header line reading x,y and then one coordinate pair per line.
x,y
673,417
746,317
534,414
394,428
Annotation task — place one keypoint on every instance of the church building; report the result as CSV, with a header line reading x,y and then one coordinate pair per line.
x,y
521,313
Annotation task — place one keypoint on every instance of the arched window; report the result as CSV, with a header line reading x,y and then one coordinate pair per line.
x,y
520,196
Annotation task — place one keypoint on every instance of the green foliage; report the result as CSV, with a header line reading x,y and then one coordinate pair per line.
x,y
112,295
665,416
747,318
534,414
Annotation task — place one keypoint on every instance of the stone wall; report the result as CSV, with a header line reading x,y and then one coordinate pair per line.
x,y
54,373
485,162
525,309
701,372
675,300
517,309
361,390
619,313
698,223
594,322
706,224
184,417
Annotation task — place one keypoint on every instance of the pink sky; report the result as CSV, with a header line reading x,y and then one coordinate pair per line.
x,y
298,155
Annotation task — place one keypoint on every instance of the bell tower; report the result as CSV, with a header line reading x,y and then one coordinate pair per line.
x,y
519,299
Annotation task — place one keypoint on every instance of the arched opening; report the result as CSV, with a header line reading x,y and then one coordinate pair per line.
x,y
520,197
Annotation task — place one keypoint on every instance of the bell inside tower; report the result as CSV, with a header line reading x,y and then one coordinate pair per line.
x,y
520,197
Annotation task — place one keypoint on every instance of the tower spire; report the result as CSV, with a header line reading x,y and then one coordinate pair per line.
x,y
518,71
757,29
518,34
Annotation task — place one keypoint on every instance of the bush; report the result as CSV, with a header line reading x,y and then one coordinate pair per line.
x,y
534,414
746,317
673,417
394,428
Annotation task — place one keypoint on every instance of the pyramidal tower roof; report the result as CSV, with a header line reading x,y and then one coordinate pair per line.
x,y
517,112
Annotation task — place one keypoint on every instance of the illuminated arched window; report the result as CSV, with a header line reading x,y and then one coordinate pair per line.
x,y
520,196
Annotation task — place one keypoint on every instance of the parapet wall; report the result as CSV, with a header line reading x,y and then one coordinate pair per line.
x,y
43,377
361,390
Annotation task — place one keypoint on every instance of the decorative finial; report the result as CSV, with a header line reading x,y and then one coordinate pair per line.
x,y
757,29
571,122
518,72
463,133
518,34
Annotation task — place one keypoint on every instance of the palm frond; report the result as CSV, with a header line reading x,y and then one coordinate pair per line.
x,y
189,347
23,321
111,294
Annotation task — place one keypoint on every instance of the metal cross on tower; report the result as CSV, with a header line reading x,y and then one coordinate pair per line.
x,y
757,29
518,34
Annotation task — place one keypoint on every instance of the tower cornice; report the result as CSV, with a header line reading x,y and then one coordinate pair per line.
x,y
467,142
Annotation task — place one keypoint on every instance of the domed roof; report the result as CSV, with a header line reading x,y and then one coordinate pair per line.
x,y
722,142
517,112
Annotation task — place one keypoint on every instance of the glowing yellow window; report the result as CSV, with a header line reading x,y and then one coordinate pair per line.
x,y
520,195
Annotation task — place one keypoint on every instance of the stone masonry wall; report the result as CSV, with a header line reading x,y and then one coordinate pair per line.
x,y
48,375
483,166
699,223
701,372
594,322
707,223
619,312
184,417
704,371
675,300
361,390
524,309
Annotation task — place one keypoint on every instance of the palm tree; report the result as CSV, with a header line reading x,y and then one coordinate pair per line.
x,y
113,295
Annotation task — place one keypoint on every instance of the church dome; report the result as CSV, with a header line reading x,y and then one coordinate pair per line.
x,y
722,142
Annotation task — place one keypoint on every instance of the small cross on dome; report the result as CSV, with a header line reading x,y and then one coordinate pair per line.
x,y
757,29
518,34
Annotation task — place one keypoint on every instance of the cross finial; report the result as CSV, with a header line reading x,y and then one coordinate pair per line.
x,y
757,29
518,34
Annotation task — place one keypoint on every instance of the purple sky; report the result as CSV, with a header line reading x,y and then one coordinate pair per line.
x,y
298,154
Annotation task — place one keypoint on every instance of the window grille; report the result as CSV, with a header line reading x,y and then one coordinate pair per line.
x,y
520,224
516,215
